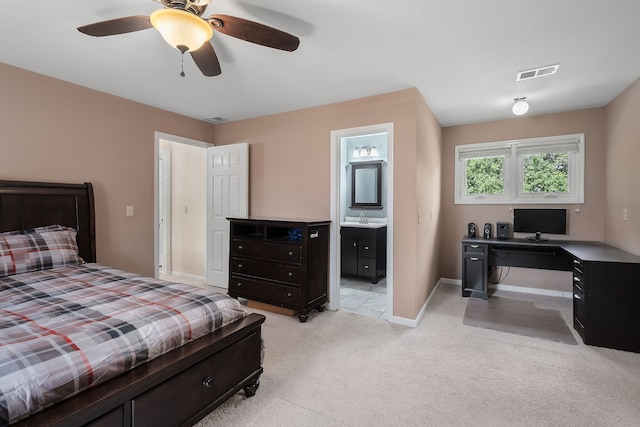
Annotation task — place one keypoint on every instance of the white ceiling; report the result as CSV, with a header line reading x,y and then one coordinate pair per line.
x,y
462,55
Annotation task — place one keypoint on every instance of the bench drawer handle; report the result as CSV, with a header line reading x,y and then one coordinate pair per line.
x,y
207,381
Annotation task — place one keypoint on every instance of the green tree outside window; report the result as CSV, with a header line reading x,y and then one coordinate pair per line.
x,y
485,175
546,173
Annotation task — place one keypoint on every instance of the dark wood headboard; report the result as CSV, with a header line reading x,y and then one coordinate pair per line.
x,y
26,205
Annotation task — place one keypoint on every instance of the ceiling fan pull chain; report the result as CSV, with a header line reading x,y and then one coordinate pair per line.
x,y
182,64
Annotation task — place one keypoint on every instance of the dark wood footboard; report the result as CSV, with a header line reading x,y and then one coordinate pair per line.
x,y
178,388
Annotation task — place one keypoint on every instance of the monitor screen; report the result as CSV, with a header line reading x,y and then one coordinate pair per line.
x,y
552,221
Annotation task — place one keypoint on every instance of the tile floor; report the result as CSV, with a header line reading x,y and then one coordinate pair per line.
x,y
363,297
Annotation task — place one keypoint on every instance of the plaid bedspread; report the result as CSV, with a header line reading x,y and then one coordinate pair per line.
x,y
69,328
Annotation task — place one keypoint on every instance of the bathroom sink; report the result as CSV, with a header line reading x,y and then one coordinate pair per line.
x,y
359,225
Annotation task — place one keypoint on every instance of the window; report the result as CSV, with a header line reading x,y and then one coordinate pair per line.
x,y
536,170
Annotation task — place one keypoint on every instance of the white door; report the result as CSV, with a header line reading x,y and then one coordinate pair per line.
x,y
227,196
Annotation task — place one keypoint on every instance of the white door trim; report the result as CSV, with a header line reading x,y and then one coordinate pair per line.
x,y
156,156
165,200
338,152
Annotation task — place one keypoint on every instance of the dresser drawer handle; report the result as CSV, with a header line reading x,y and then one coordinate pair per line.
x,y
366,248
289,294
575,296
575,261
290,253
366,267
239,265
240,247
475,246
290,274
474,259
207,381
576,279
239,284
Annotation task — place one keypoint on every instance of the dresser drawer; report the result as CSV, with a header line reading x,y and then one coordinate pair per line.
x,y
266,269
177,399
283,253
272,293
247,248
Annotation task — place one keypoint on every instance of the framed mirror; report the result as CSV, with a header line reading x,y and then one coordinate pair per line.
x,y
366,185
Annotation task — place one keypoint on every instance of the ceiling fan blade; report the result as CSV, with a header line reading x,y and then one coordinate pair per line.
x,y
207,60
112,27
254,32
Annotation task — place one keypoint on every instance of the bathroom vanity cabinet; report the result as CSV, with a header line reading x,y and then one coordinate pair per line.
x,y
278,262
364,252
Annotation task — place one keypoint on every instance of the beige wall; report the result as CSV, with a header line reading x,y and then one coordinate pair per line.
x,y
60,132
588,224
57,131
290,166
428,196
623,170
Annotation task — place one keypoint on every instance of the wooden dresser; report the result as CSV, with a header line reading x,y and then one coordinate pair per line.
x,y
280,262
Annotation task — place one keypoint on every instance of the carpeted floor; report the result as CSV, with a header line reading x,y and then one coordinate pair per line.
x,y
342,369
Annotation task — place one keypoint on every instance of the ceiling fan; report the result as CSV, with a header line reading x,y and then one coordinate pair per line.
x,y
181,24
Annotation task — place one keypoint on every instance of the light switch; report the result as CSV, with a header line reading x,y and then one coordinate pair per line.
x,y
129,210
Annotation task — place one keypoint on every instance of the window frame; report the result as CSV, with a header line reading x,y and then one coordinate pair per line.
x,y
513,152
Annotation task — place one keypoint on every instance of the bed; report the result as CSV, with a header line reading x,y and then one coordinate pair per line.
x,y
54,374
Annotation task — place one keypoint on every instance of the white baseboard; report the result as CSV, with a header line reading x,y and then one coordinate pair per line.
x,y
188,276
413,323
511,288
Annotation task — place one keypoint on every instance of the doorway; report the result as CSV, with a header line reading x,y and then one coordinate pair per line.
x,y
342,147
180,209
195,192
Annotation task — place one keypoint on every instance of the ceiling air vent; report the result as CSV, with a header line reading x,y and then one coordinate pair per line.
x,y
215,120
537,72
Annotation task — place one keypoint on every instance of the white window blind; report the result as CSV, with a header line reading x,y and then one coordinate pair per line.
x,y
478,154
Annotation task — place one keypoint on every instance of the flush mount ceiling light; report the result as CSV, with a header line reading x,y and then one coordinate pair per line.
x,y
520,107
182,30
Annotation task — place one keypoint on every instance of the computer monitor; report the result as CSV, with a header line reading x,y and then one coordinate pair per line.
x,y
538,221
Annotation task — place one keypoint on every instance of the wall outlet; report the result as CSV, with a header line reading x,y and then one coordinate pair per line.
x,y
624,214
129,210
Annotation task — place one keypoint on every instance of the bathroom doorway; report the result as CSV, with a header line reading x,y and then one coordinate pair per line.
x,y
364,285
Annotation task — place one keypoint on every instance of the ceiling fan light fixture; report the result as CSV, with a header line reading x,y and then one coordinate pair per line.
x,y
520,106
182,30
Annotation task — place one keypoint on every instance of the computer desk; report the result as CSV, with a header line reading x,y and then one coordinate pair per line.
x,y
606,282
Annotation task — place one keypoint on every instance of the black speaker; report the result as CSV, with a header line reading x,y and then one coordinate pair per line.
x,y
471,229
487,231
503,230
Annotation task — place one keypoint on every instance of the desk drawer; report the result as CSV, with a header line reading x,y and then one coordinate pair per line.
x,y
579,310
475,249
